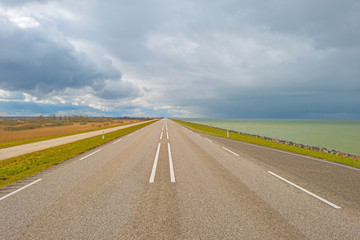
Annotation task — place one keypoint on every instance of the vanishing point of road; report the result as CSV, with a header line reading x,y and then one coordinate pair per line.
x,y
167,182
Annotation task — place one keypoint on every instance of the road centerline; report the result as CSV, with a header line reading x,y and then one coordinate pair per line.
x,y
306,191
172,174
153,171
208,140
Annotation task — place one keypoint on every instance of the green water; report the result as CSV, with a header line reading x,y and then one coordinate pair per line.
x,y
341,135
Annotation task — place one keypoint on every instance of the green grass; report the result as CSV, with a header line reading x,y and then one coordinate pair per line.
x,y
31,140
17,168
267,143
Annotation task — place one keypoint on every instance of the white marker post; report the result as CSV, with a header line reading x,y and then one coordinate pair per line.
x,y
228,133
103,135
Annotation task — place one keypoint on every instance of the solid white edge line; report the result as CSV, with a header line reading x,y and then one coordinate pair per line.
x,y
172,174
20,189
153,171
90,154
167,135
208,140
161,135
130,134
306,191
117,141
230,151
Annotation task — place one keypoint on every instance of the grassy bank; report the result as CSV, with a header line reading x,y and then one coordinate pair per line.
x,y
38,139
267,143
16,168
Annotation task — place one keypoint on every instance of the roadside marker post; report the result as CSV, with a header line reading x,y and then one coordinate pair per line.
x,y
103,135
228,133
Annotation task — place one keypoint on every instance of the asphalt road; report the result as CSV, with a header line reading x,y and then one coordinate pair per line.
x,y
167,182
10,152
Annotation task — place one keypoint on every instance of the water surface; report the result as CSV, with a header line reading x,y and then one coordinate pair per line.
x,y
341,135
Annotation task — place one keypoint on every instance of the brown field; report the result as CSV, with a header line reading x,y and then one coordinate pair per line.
x,y
11,136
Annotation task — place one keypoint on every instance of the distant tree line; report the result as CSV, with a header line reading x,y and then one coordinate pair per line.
x,y
15,124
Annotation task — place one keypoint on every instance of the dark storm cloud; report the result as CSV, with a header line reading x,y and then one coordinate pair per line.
x,y
32,62
327,22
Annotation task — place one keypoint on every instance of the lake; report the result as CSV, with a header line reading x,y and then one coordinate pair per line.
x,y
340,135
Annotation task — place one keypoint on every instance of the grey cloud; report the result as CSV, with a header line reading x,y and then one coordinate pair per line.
x,y
119,26
326,22
13,3
118,90
216,58
18,96
33,62
326,68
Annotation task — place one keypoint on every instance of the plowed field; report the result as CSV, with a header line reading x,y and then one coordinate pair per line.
x,y
11,136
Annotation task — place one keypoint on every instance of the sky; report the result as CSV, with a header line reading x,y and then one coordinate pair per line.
x,y
203,58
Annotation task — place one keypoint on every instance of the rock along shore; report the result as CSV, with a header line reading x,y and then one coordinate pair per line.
x,y
319,149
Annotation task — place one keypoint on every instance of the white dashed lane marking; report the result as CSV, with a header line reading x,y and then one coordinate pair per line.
x,y
306,191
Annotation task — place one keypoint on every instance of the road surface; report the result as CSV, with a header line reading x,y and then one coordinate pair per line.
x,y
167,182
10,152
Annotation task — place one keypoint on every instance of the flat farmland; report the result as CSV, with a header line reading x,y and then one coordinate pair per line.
x,y
7,136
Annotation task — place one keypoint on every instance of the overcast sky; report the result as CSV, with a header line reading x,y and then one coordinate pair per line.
x,y
204,58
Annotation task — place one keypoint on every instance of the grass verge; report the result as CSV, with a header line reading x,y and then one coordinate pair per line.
x,y
31,140
16,168
267,143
